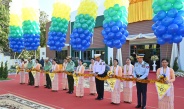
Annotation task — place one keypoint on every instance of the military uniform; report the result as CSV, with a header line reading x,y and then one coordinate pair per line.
x,y
70,68
99,68
30,65
141,71
47,68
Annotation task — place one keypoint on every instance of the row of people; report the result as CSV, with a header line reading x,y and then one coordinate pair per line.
x,y
140,71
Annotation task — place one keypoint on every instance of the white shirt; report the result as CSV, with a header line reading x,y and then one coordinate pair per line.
x,y
99,67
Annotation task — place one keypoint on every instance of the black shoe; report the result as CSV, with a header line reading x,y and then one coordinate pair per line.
x,y
46,87
49,87
68,92
36,86
138,106
96,98
71,93
100,99
143,107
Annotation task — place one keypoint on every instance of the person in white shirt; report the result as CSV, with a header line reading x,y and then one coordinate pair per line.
x,y
64,76
22,72
92,85
99,70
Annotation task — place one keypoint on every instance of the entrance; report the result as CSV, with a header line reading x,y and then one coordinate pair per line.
x,y
147,49
61,56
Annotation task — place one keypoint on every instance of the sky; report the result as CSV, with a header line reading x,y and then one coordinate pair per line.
x,y
46,5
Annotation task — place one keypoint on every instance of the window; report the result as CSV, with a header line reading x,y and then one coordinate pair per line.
x,y
76,54
43,53
86,55
102,52
60,56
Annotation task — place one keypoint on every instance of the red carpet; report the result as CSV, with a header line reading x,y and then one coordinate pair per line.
x,y
62,100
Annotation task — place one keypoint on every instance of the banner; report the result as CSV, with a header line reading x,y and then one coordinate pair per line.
x,y
52,75
162,89
111,82
76,79
34,73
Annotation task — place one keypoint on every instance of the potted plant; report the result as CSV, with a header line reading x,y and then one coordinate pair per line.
x,y
154,58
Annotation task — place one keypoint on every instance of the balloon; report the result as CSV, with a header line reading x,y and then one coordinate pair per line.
x,y
172,1
161,15
156,9
155,18
167,37
161,2
178,5
172,13
161,29
160,41
167,21
179,20
167,6
177,39
115,29
154,26
173,28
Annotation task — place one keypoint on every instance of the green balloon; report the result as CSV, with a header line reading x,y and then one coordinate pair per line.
x,y
167,6
154,4
178,5
157,9
115,18
116,7
161,2
123,8
112,13
104,22
78,25
172,1
84,26
109,19
86,17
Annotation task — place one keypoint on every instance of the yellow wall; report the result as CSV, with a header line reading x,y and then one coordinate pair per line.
x,y
140,11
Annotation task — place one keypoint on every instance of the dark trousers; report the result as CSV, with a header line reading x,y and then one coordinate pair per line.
x,y
99,88
31,79
70,83
48,80
141,93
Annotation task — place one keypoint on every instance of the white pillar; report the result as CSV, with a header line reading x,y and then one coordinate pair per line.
x,y
181,55
110,54
93,52
43,53
80,55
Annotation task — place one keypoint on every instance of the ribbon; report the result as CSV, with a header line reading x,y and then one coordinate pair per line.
x,y
52,75
111,82
76,79
34,73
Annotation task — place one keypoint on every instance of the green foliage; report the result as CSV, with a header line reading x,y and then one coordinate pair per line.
x,y
5,71
43,21
175,67
111,61
1,70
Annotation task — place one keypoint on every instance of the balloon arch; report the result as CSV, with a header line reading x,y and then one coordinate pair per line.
x,y
24,33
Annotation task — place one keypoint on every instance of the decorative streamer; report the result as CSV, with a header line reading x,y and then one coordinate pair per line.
x,y
115,23
59,25
84,25
31,28
16,40
168,21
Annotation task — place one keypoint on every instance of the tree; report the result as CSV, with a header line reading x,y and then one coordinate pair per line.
x,y
4,24
1,70
5,71
175,67
43,21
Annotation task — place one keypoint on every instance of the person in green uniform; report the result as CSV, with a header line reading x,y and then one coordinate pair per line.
x,y
70,68
47,68
30,65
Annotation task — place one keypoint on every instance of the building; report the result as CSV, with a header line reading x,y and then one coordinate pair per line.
x,y
140,40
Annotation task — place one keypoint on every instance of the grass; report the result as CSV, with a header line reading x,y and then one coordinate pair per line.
x,y
1,79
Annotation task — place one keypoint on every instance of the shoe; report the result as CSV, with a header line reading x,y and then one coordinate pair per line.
x,y
46,87
100,98
54,90
81,96
49,87
112,103
36,86
138,106
64,89
68,92
143,107
90,94
71,93
96,98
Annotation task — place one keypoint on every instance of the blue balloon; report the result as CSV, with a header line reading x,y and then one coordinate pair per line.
x,y
79,46
119,24
160,41
167,37
84,42
59,34
103,32
86,32
170,41
80,30
118,35
76,35
155,18
109,43
112,23
126,33
179,20
167,21
88,38
177,39
173,28
181,30
154,26
107,30
115,29
123,39
172,13
122,30
161,29
105,41
82,36
180,13
75,30
105,25
161,15
111,35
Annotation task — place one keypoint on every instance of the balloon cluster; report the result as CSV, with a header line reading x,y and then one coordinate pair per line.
x,y
31,29
84,25
16,40
59,26
168,21
115,23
